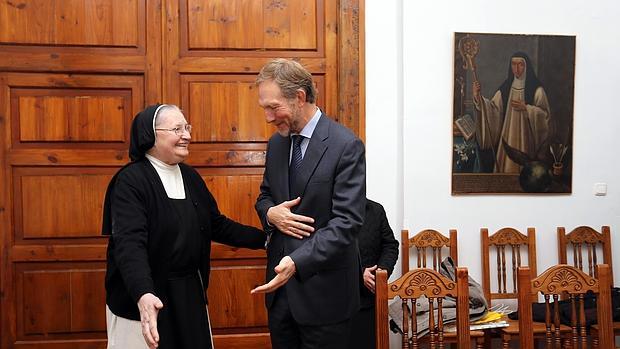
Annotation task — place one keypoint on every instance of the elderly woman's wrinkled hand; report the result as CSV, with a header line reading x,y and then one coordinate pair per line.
x,y
149,306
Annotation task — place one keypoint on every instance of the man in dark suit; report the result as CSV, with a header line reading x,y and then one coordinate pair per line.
x,y
378,250
311,202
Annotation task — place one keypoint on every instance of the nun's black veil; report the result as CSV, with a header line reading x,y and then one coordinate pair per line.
x,y
141,139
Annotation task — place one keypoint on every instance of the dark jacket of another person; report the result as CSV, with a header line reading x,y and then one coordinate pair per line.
x,y
377,246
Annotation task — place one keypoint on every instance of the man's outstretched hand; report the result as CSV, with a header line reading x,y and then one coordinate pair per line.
x,y
284,271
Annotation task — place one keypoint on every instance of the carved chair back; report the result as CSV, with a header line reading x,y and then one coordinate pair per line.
x,y
506,241
560,280
585,241
427,244
423,285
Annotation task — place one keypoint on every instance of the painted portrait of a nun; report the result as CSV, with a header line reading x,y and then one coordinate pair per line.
x,y
513,113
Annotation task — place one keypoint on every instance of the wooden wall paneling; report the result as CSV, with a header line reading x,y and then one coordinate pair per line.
x,y
89,250
247,65
233,307
250,28
235,195
85,317
45,202
221,24
56,110
236,315
288,27
235,341
223,108
328,102
60,301
221,155
75,35
48,115
181,58
71,23
153,88
6,305
235,191
170,58
73,60
351,66
79,22
213,51
107,38
96,65
46,303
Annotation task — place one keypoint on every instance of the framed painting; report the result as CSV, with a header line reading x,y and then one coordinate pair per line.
x,y
513,113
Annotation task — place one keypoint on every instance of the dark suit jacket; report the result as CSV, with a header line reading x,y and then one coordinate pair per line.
x,y
377,246
332,187
138,217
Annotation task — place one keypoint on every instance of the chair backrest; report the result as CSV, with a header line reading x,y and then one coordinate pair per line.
x,y
421,285
585,240
565,280
427,243
517,244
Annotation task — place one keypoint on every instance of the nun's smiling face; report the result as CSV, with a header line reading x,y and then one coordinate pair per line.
x,y
172,137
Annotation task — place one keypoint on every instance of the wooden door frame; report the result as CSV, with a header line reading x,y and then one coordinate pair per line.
x,y
351,66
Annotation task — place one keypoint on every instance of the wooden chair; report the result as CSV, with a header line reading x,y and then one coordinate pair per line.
x,y
411,287
517,244
506,239
427,243
430,244
587,241
552,283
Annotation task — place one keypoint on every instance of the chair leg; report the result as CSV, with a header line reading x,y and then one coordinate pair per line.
x,y
595,343
488,339
594,335
506,341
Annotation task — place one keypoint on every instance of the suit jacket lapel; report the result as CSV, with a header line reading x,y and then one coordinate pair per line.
x,y
314,153
281,149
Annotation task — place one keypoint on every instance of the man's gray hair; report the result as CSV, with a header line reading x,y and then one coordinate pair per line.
x,y
290,76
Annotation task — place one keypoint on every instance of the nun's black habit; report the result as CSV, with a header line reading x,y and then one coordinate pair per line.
x,y
162,246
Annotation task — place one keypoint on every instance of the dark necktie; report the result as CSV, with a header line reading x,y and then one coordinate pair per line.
x,y
293,168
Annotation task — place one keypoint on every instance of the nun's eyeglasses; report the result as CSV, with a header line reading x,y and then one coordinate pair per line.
x,y
178,130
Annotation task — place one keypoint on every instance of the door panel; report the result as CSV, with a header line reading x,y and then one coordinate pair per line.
x,y
72,22
55,301
250,25
56,203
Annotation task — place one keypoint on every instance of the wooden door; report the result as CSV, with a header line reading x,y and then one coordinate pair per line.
x,y
73,73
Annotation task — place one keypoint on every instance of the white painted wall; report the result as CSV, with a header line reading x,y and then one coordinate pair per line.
x,y
409,76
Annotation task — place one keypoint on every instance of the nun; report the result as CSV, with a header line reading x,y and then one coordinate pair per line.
x,y
518,114
161,219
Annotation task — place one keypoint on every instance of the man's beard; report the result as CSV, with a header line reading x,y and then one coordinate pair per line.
x,y
296,119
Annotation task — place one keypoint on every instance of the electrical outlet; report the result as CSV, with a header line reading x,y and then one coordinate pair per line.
x,y
600,189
